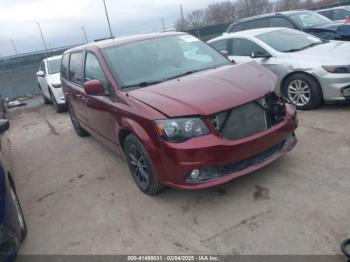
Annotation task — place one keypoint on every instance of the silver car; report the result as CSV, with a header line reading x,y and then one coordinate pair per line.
x,y
309,70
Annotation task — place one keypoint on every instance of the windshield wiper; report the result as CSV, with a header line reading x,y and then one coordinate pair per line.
x,y
190,72
143,84
305,47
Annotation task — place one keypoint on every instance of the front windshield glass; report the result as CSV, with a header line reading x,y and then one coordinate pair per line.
x,y
159,59
310,19
54,66
289,40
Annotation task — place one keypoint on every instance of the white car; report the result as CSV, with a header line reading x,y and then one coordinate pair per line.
x,y
50,84
309,70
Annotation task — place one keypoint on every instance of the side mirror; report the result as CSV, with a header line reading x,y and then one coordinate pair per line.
x,y
40,74
224,53
94,87
4,125
260,54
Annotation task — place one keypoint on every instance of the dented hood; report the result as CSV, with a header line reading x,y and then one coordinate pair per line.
x,y
209,91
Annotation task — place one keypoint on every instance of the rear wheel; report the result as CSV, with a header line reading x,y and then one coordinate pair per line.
x,y
140,166
303,91
77,127
20,215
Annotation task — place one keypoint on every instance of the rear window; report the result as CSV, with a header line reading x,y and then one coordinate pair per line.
x,y
76,67
64,66
280,22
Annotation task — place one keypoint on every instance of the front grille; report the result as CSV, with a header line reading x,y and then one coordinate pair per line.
x,y
250,119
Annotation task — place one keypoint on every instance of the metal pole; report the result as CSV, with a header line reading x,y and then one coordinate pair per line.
x,y
42,36
182,17
163,24
109,24
83,29
14,46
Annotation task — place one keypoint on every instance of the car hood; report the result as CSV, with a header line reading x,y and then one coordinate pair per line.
x,y
336,51
209,91
54,79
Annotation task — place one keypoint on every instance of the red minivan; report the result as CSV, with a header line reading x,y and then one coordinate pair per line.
x,y
183,115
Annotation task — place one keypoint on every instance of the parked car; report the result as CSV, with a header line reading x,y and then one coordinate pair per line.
x,y
13,228
184,119
309,70
307,21
338,14
49,82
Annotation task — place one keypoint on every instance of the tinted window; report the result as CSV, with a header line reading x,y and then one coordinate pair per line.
x,y
76,67
160,59
340,14
238,27
280,22
220,45
244,47
326,13
258,23
54,66
64,66
93,69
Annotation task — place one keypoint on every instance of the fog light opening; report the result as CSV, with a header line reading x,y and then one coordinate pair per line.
x,y
195,174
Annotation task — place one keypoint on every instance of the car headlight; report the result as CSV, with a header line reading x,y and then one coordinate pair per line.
x,y
338,69
181,129
56,85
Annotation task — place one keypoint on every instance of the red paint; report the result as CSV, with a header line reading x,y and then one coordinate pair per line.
x,y
203,94
94,87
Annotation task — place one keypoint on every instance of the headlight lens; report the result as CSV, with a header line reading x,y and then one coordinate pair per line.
x,y
181,129
337,69
56,85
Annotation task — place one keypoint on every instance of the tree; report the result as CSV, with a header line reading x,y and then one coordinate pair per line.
x,y
220,13
285,5
197,18
247,8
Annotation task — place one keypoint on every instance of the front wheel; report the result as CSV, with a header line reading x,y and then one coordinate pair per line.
x,y
303,91
140,166
60,108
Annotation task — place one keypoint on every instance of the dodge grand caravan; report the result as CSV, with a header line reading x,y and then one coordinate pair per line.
x,y
182,114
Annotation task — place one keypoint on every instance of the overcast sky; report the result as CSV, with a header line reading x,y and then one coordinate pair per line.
x,y
61,20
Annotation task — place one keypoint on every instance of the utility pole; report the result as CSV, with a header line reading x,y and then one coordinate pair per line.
x,y
42,36
109,24
182,17
163,24
83,29
14,46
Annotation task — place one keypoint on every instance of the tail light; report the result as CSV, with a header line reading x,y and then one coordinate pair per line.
x,y
347,20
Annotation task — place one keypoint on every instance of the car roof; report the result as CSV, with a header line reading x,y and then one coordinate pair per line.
x,y
250,33
53,58
334,8
123,40
286,13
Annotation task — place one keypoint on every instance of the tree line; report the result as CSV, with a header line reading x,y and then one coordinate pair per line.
x,y
229,11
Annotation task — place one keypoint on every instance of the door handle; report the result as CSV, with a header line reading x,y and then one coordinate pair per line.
x,y
78,95
85,99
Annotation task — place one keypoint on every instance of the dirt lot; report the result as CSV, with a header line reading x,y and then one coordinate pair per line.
x,y
79,198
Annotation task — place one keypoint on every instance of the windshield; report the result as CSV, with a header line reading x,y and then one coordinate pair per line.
x,y
289,40
159,59
54,66
310,19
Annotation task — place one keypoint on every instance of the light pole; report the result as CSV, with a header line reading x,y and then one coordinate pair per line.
x,y
163,24
86,39
109,24
14,46
42,36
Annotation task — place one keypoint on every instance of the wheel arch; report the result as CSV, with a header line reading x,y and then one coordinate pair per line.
x,y
285,78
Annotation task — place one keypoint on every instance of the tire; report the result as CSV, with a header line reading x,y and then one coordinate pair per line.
x,y
138,159
75,122
303,91
46,100
18,207
59,108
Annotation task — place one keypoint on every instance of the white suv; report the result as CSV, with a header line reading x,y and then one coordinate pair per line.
x,y
50,84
